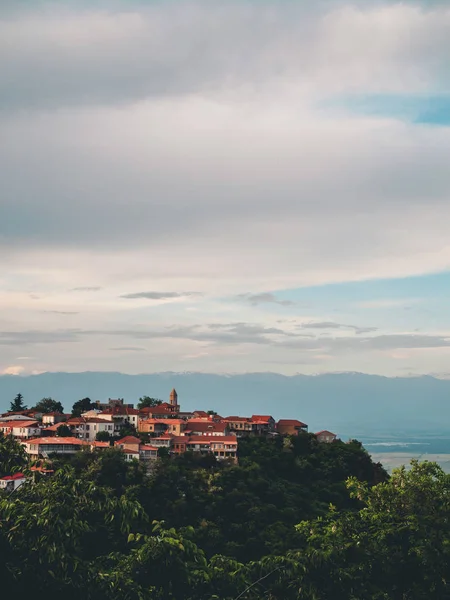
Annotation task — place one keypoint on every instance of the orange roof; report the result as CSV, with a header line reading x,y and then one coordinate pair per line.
x,y
262,418
145,447
247,419
131,451
13,477
98,444
164,421
129,439
325,432
210,439
293,422
56,440
18,424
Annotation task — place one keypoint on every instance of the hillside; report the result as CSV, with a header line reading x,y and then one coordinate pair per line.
x,y
348,403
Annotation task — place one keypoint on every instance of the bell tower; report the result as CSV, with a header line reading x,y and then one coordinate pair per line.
x,y
173,400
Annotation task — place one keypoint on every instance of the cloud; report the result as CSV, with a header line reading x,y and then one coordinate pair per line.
x,y
264,298
13,370
334,325
61,312
93,288
128,349
159,295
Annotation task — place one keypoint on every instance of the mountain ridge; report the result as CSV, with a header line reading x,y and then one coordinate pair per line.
x,y
343,402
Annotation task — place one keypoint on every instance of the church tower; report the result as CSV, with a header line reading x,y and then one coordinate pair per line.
x,y
173,401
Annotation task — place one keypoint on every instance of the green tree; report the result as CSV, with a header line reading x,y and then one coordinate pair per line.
x,y
12,456
81,406
63,431
17,404
147,401
103,436
48,405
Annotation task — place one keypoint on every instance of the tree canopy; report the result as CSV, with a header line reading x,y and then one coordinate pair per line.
x,y
294,520
147,401
17,404
81,406
48,405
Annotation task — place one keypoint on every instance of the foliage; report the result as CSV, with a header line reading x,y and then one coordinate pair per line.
x,y
17,405
127,429
103,436
293,520
63,431
147,401
48,405
12,456
81,406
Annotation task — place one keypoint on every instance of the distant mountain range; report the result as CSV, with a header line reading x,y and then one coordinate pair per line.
x,y
350,404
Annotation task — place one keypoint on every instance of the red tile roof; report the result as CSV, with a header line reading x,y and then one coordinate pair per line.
x,y
246,419
292,422
98,444
205,439
262,418
129,439
13,477
145,447
325,432
206,426
11,424
127,451
56,440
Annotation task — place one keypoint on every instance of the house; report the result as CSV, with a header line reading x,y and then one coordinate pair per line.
x,y
133,448
179,444
147,452
87,429
20,429
262,424
163,441
112,403
99,445
53,445
161,426
12,482
53,418
223,447
239,425
120,415
291,427
201,427
325,437
129,442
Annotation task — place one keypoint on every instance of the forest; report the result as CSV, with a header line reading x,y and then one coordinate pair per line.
x,y
295,519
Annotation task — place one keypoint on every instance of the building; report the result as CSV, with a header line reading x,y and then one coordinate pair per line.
x,y
326,437
45,446
53,418
20,429
291,427
158,427
112,403
262,424
239,425
87,429
10,483
202,427
133,448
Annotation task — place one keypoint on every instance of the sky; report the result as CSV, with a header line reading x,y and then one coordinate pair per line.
x,y
225,186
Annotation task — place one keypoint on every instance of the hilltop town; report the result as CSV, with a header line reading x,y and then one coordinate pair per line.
x,y
145,433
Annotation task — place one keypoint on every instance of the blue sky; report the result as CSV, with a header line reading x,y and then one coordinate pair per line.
x,y
225,186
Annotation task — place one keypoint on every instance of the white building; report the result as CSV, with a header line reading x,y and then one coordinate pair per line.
x,y
20,429
12,482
